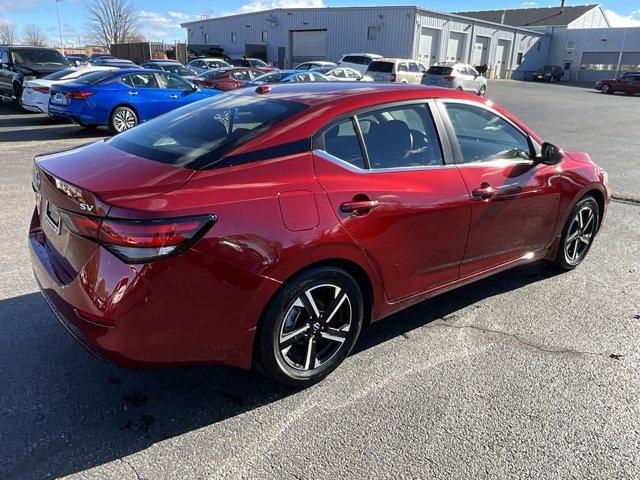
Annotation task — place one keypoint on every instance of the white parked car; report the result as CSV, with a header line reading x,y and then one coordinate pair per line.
x,y
457,76
396,70
358,61
314,65
36,93
201,65
343,74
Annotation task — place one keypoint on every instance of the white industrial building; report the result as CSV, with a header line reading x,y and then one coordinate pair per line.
x,y
288,36
582,40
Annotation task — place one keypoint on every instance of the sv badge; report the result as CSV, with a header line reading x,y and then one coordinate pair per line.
x,y
86,207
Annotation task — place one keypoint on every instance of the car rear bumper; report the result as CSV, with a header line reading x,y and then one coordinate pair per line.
x,y
188,309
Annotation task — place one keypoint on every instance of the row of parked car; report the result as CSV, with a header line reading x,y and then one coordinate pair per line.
x,y
102,90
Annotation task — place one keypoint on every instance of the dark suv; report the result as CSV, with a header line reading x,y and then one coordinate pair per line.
x,y
549,73
20,63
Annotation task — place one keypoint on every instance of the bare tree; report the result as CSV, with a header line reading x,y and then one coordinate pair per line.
x,y
33,35
8,34
111,21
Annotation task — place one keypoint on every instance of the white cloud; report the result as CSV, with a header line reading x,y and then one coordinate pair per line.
x,y
620,20
257,5
529,4
163,26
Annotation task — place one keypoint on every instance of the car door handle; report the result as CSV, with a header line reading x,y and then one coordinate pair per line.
x,y
132,93
484,191
359,207
173,96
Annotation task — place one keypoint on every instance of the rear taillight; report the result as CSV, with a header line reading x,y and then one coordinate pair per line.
x,y
43,89
137,241
449,78
78,95
393,77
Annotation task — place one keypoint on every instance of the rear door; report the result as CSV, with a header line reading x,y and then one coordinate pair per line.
x,y
144,94
386,176
514,200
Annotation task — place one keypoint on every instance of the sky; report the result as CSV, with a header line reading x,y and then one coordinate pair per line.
x,y
160,19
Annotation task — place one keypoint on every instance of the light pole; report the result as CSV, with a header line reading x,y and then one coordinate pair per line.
x,y
59,28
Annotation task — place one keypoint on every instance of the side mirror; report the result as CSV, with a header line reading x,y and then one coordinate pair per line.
x,y
551,154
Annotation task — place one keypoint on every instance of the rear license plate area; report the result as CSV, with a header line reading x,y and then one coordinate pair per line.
x,y
60,99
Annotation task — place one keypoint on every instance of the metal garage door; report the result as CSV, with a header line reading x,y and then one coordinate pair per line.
x,y
428,48
455,47
308,45
480,51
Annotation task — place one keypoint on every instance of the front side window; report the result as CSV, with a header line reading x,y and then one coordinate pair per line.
x,y
484,136
342,142
413,67
403,136
199,135
241,75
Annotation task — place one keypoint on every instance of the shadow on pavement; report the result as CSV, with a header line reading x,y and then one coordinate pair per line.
x,y
64,412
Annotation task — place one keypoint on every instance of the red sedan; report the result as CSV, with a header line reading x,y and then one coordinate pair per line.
x,y
629,84
228,78
271,225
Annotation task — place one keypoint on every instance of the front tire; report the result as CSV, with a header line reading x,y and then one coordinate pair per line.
x,y
122,119
606,89
310,326
483,91
578,234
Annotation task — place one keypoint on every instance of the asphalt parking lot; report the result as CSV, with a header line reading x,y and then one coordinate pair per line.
x,y
528,374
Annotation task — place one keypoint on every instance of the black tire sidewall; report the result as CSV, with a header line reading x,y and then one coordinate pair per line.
x,y
112,128
269,357
560,259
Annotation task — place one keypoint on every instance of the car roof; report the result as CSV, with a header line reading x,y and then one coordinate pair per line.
x,y
390,59
210,59
370,55
162,62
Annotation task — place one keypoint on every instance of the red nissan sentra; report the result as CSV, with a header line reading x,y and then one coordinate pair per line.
x,y
272,225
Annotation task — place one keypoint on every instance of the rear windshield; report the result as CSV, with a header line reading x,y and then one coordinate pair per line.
x,y
198,135
38,56
435,70
95,77
59,74
382,67
272,77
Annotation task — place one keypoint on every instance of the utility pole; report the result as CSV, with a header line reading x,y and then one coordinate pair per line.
x,y
59,28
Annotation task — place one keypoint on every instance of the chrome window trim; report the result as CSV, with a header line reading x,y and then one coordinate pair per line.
x,y
343,163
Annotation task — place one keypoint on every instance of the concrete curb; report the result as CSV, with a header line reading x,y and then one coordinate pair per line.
x,y
625,198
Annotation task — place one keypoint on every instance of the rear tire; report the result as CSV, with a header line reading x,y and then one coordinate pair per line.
x,y
606,89
122,119
483,91
578,234
295,346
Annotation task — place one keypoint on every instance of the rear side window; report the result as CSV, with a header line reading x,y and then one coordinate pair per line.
x,y
342,142
353,59
436,70
382,67
403,136
198,135
484,136
402,67
95,77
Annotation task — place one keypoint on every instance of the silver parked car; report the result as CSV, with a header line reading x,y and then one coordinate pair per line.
x,y
457,76
343,74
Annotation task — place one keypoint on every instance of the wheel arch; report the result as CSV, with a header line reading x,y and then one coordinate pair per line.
x,y
600,200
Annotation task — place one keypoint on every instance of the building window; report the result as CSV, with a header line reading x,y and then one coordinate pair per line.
x,y
234,37
265,36
519,60
571,45
372,33
567,65
206,38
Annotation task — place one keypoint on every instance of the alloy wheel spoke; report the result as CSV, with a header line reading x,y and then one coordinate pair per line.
x,y
330,312
589,220
310,359
292,337
586,239
573,236
334,334
581,218
310,304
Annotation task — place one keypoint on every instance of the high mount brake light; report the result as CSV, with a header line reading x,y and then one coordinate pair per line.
x,y
78,95
137,241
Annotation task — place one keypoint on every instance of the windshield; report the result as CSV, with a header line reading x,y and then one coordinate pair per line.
x,y
383,67
548,69
177,69
258,63
216,63
198,135
435,70
38,56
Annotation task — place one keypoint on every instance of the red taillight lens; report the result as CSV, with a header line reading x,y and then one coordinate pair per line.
x,y
78,95
449,78
137,241
43,89
393,77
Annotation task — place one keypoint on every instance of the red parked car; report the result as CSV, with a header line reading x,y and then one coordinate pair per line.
x,y
271,225
628,84
228,78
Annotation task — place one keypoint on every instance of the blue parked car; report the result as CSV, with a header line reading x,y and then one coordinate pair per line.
x,y
120,99
285,76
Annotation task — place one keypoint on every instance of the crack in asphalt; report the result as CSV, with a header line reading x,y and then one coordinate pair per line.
x,y
126,462
516,339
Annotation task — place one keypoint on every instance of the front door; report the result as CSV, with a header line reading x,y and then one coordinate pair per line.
x,y
144,94
408,210
514,200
